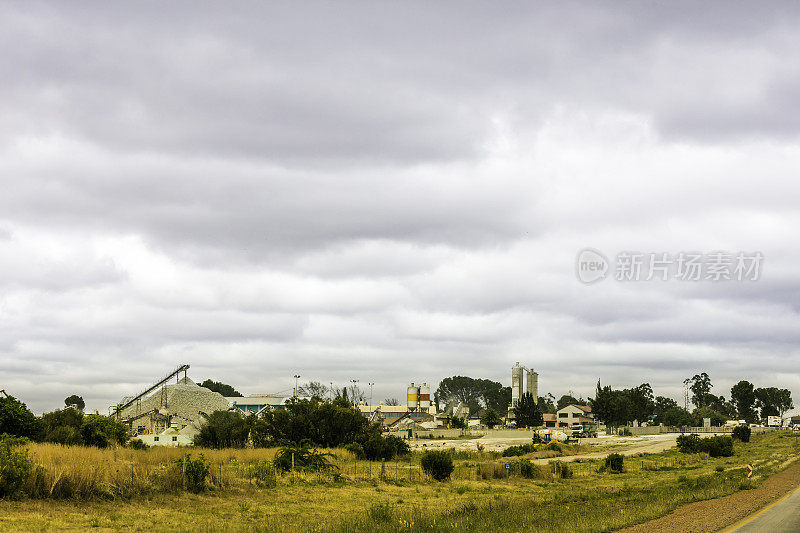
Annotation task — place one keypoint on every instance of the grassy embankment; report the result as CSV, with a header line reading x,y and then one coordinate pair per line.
x,y
588,501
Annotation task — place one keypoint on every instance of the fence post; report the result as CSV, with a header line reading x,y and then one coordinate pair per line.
x,y
184,472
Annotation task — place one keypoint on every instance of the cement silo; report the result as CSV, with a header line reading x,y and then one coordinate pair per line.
x,y
517,383
533,385
413,397
424,396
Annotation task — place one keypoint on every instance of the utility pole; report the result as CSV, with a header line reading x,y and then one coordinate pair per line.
x,y
354,381
296,377
371,408
686,393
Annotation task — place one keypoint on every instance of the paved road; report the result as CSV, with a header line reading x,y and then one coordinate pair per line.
x,y
781,517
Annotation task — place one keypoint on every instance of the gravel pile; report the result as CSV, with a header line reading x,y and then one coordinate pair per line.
x,y
185,400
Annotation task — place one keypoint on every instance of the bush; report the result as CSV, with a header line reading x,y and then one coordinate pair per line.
x,y
527,469
264,474
101,431
17,420
515,451
195,472
561,470
137,444
304,459
15,468
615,462
437,464
741,433
65,435
537,439
689,443
223,429
719,446
356,449
378,448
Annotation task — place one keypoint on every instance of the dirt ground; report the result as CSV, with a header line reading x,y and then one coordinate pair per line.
x,y
604,444
719,513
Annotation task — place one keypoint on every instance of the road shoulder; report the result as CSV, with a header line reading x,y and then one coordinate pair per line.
x,y
719,513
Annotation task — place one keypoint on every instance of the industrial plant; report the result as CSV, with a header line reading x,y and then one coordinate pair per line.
x,y
171,411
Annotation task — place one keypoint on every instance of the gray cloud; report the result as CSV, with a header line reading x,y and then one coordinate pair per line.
x,y
391,193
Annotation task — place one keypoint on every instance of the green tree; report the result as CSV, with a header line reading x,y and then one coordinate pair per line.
x,y
547,403
17,420
222,388
326,424
566,400
676,417
63,426
773,401
527,412
75,400
700,387
744,399
717,418
102,431
474,392
224,429
490,418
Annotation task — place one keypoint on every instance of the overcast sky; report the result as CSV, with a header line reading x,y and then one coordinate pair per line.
x,y
392,193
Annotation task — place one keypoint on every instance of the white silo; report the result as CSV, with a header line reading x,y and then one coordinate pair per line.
x,y
413,397
424,396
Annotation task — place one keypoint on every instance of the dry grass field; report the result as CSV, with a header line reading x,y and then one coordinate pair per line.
x,y
121,489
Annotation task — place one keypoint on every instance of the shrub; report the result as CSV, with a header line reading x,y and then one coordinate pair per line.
x,y
137,444
15,468
264,474
223,429
719,446
615,462
527,469
17,420
741,433
304,459
689,443
437,464
515,451
626,432
378,448
65,435
356,449
100,431
561,469
195,472
537,439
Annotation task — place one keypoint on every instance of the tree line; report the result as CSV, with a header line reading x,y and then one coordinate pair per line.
x,y
748,403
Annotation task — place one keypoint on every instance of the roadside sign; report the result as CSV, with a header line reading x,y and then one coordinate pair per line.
x,y
750,471
508,466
